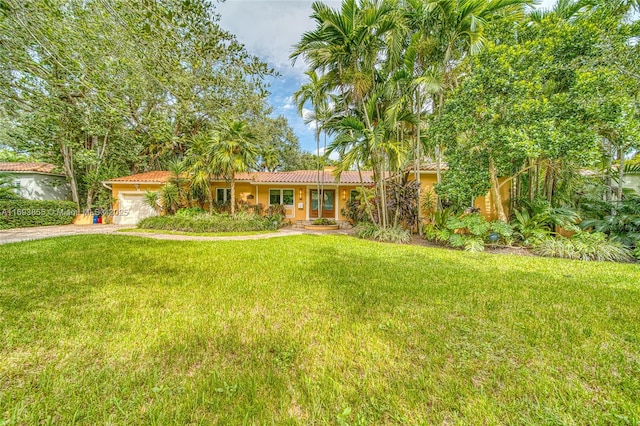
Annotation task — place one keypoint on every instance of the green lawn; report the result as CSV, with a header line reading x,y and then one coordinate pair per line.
x,y
195,234
311,329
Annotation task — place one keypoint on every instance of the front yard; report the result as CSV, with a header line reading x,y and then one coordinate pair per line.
x,y
311,329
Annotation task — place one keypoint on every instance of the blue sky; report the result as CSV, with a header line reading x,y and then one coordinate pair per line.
x,y
269,29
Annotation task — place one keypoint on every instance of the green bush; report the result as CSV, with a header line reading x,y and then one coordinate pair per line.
x,y
370,231
190,212
219,222
24,213
324,221
469,231
583,246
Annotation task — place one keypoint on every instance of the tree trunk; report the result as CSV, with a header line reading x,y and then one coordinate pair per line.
x,y
495,190
531,181
417,164
620,173
607,179
67,157
210,197
318,165
364,195
233,194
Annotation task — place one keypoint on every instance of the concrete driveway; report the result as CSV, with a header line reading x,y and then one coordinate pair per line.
x,y
39,232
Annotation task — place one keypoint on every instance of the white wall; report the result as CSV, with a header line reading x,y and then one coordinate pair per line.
x,y
36,186
632,181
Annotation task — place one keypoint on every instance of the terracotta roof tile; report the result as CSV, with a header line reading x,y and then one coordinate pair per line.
x,y
28,167
298,176
311,176
430,167
158,176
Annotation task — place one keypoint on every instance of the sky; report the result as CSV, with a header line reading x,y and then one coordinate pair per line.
x,y
269,29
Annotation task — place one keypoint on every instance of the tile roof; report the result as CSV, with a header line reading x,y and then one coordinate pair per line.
x,y
298,176
154,177
311,176
28,167
430,166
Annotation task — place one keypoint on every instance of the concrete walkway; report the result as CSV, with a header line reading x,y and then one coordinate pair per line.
x,y
39,232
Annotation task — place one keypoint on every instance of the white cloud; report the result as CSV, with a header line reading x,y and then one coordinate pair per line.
x,y
308,117
288,103
269,28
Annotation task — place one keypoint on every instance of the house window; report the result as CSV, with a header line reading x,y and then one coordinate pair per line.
x,y
353,194
281,196
223,195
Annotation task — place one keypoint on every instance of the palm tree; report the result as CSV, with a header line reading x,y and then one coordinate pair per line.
x,y
315,92
233,152
8,188
200,165
347,46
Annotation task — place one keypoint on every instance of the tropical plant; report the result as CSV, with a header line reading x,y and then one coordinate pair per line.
x,y
538,219
589,246
190,212
8,188
620,221
468,231
240,222
233,152
170,198
372,231
324,221
152,199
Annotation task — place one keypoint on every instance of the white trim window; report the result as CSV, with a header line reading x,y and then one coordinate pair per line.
x,y
286,197
223,195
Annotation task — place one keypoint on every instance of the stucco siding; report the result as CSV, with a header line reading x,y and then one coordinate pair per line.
x,y
37,186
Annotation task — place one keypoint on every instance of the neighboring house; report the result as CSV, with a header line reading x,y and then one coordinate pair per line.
x,y
37,181
296,190
632,181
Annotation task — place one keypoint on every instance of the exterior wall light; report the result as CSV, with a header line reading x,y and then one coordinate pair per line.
x,y
300,194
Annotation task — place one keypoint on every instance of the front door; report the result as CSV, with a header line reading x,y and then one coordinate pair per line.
x,y
328,204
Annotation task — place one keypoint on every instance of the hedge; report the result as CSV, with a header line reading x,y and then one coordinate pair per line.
x,y
24,213
218,222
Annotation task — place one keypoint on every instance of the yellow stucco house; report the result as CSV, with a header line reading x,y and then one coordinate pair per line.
x,y
296,190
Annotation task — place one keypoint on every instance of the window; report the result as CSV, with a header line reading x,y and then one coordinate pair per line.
x,y
223,195
353,194
281,196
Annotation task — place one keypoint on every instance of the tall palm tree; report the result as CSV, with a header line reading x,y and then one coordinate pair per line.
x,y
347,46
233,152
200,166
316,93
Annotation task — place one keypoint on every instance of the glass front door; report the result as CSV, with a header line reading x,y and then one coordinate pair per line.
x,y
327,206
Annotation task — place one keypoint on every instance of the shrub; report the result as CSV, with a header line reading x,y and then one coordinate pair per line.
x,y
375,232
277,209
244,206
620,221
537,219
583,246
468,231
190,212
8,188
24,213
324,221
241,222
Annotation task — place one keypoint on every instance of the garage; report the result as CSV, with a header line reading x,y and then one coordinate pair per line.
x,y
132,208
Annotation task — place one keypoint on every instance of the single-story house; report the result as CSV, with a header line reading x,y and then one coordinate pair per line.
x,y
38,181
296,190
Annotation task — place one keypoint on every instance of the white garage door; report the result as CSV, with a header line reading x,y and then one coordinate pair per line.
x,y
135,206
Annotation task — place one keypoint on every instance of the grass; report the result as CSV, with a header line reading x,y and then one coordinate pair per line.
x,y
195,234
312,329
